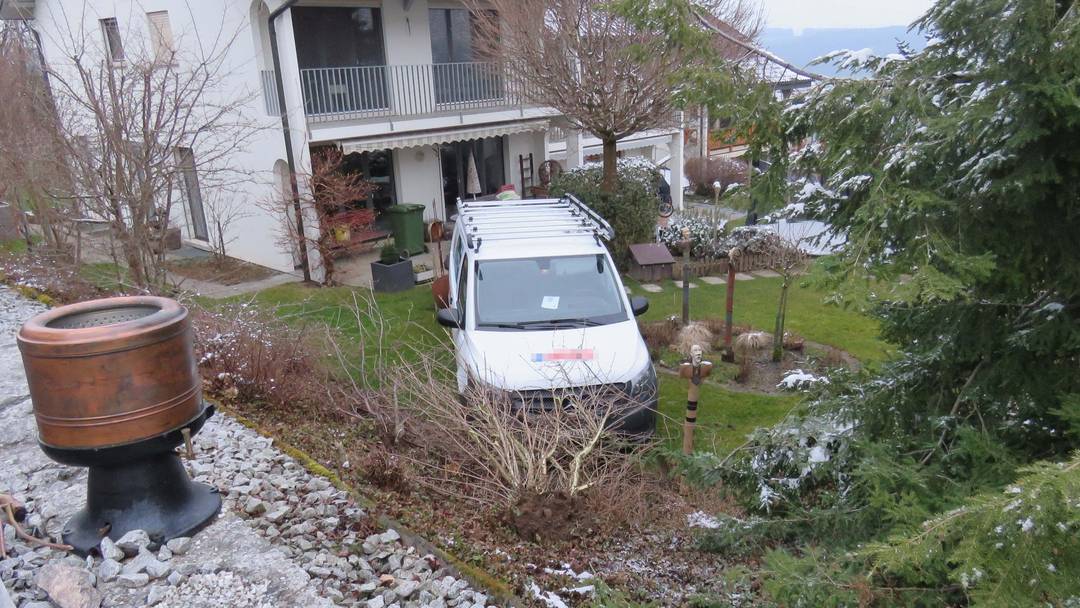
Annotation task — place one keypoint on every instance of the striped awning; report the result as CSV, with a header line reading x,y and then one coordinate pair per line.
x,y
442,136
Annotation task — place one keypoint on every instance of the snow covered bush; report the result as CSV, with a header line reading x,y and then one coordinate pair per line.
x,y
704,235
797,380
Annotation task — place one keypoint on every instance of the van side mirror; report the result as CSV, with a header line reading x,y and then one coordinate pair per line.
x,y
450,317
639,304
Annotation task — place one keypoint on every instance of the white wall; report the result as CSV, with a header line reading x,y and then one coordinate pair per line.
x,y
67,24
417,174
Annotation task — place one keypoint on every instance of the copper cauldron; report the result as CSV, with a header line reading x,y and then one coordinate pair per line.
x,y
110,372
115,388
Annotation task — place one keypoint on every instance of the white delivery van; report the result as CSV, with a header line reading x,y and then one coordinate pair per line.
x,y
537,308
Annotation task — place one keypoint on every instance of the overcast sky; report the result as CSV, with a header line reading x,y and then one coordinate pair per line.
x,y
798,14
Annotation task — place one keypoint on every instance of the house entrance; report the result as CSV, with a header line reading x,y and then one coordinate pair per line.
x,y
487,155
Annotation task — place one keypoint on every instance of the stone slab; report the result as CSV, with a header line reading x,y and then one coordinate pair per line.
x,y
742,276
766,274
651,288
678,284
714,280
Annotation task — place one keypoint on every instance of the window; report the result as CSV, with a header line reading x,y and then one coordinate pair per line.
x,y
338,37
462,290
342,64
192,193
111,30
451,35
161,38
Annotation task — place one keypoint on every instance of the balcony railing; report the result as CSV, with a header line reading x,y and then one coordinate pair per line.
x,y
404,90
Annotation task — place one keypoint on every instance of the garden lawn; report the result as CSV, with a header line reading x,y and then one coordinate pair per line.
x,y
724,418
408,316
756,303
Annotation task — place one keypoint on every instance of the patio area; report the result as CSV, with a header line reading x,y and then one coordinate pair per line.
x,y
354,270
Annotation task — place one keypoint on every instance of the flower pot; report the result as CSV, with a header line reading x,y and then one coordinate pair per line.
x,y
397,276
440,291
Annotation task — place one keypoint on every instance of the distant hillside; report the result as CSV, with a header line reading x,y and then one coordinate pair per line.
x,y
812,43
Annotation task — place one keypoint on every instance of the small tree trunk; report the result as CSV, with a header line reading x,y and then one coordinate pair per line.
x,y
778,336
611,168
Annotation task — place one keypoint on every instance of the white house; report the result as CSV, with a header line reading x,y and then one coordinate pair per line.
x,y
393,83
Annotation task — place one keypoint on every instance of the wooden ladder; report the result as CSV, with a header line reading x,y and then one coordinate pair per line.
x,y
525,166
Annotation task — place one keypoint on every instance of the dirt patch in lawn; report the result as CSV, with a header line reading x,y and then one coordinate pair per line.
x,y
227,271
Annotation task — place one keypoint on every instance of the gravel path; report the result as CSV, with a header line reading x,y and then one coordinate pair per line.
x,y
285,537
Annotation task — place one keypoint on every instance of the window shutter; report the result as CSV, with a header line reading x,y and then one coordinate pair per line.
x,y
161,38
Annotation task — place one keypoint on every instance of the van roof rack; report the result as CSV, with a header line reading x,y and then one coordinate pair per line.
x,y
530,218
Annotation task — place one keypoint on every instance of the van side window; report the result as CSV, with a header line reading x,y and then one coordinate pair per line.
x,y
463,275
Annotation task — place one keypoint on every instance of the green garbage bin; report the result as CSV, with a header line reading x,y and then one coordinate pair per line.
x,y
407,223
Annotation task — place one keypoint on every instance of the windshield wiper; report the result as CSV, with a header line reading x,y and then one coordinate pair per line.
x,y
573,322
504,325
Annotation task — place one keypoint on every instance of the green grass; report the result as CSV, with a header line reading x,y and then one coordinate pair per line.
x,y
408,317
13,246
724,418
756,302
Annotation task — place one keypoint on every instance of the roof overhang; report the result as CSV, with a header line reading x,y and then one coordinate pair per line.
x,y
416,139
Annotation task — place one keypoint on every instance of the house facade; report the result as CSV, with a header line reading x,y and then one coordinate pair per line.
x,y
394,84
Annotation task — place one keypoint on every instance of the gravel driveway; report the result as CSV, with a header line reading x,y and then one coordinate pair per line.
x,y
285,537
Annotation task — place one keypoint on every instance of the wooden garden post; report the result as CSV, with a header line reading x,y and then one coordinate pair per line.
x,y
729,306
695,371
686,277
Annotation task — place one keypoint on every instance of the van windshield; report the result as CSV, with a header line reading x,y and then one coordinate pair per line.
x,y
547,293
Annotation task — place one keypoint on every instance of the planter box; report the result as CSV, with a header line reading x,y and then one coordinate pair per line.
x,y
425,276
172,240
392,277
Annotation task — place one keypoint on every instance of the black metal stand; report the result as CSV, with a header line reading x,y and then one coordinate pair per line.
x,y
153,494
138,486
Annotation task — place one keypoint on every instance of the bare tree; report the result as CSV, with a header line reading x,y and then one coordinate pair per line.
x,y
146,126
602,70
787,259
32,175
223,211
327,191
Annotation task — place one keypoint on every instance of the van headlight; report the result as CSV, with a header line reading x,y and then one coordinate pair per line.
x,y
643,386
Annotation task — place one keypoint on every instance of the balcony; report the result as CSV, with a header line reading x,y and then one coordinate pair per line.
x,y
395,91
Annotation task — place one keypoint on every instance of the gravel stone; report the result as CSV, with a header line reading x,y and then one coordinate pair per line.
x,y
132,581
69,586
133,541
109,550
108,569
179,546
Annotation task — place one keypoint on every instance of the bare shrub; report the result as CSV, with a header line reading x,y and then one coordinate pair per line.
x,y
658,335
384,470
248,355
747,347
694,333
530,463
705,173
